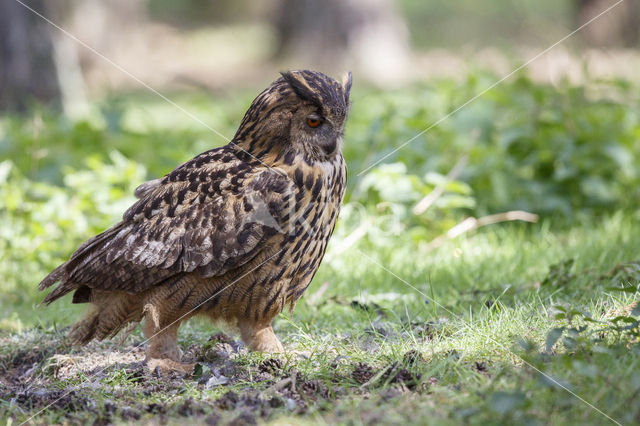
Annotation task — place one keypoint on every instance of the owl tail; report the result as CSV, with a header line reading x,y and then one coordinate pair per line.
x,y
112,311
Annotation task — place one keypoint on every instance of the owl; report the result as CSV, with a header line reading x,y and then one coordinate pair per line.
x,y
235,234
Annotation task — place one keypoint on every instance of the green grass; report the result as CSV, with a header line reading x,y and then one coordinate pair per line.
x,y
509,324
476,352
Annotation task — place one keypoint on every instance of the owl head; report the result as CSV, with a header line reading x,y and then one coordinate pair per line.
x,y
301,113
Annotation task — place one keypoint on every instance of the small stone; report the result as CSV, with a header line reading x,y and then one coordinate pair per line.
x,y
290,404
216,381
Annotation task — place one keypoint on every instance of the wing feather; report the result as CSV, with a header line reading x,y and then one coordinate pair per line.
x,y
204,216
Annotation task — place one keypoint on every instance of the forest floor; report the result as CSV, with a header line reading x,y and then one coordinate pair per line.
x,y
515,323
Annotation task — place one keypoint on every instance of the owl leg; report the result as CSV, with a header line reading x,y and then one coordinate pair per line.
x,y
260,338
163,354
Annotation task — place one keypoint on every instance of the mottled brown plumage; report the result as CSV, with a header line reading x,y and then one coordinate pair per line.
x,y
236,233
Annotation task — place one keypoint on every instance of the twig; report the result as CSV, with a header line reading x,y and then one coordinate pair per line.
x,y
374,378
285,382
472,223
357,234
280,385
315,297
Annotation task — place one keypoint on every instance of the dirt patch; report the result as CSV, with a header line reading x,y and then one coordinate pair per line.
x,y
313,389
64,400
412,358
394,373
102,384
480,367
362,373
96,364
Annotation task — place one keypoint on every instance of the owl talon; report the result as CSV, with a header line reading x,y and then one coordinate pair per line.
x,y
261,339
167,367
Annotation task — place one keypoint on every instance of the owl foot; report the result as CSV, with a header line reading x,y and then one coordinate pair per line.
x,y
260,339
163,353
167,366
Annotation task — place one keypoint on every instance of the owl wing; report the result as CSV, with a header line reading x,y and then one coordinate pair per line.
x,y
208,219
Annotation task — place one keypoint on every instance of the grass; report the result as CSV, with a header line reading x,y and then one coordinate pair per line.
x,y
511,324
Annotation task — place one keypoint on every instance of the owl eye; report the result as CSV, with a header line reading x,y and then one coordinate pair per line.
x,y
313,121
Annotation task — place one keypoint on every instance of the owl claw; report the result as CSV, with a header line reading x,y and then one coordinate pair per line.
x,y
260,339
167,367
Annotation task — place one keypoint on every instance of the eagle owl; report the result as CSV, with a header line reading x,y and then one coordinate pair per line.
x,y
236,234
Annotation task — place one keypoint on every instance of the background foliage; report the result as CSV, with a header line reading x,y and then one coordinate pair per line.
x,y
491,311
562,151
407,319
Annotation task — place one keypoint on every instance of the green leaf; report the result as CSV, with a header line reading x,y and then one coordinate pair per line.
x,y
629,288
552,337
635,380
623,318
585,369
503,402
197,371
569,342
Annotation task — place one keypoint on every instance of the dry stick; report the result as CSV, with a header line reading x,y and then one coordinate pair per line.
x,y
355,236
315,298
472,223
361,231
289,381
466,225
280,385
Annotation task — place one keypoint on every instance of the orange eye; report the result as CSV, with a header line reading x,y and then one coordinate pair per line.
x,y
313,122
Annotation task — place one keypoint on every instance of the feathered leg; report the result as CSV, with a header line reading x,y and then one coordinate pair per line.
x,y
163,354
259,337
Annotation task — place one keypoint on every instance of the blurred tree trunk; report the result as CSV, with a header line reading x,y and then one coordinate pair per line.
x,y
27,66
618,27
367,34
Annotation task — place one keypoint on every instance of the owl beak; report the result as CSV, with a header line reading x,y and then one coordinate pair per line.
x,y
347,79
329,147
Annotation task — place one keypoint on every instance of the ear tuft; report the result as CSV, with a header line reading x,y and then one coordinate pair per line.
x,y
297,83
347,80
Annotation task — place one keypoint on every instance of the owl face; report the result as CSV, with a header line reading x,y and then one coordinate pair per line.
x,y
317,122
314,132
301,112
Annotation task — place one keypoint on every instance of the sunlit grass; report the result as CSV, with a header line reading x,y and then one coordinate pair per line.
x,y
487,313
481,336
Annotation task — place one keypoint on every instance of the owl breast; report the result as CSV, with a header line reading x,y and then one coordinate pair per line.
x,y
281,275
320,198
